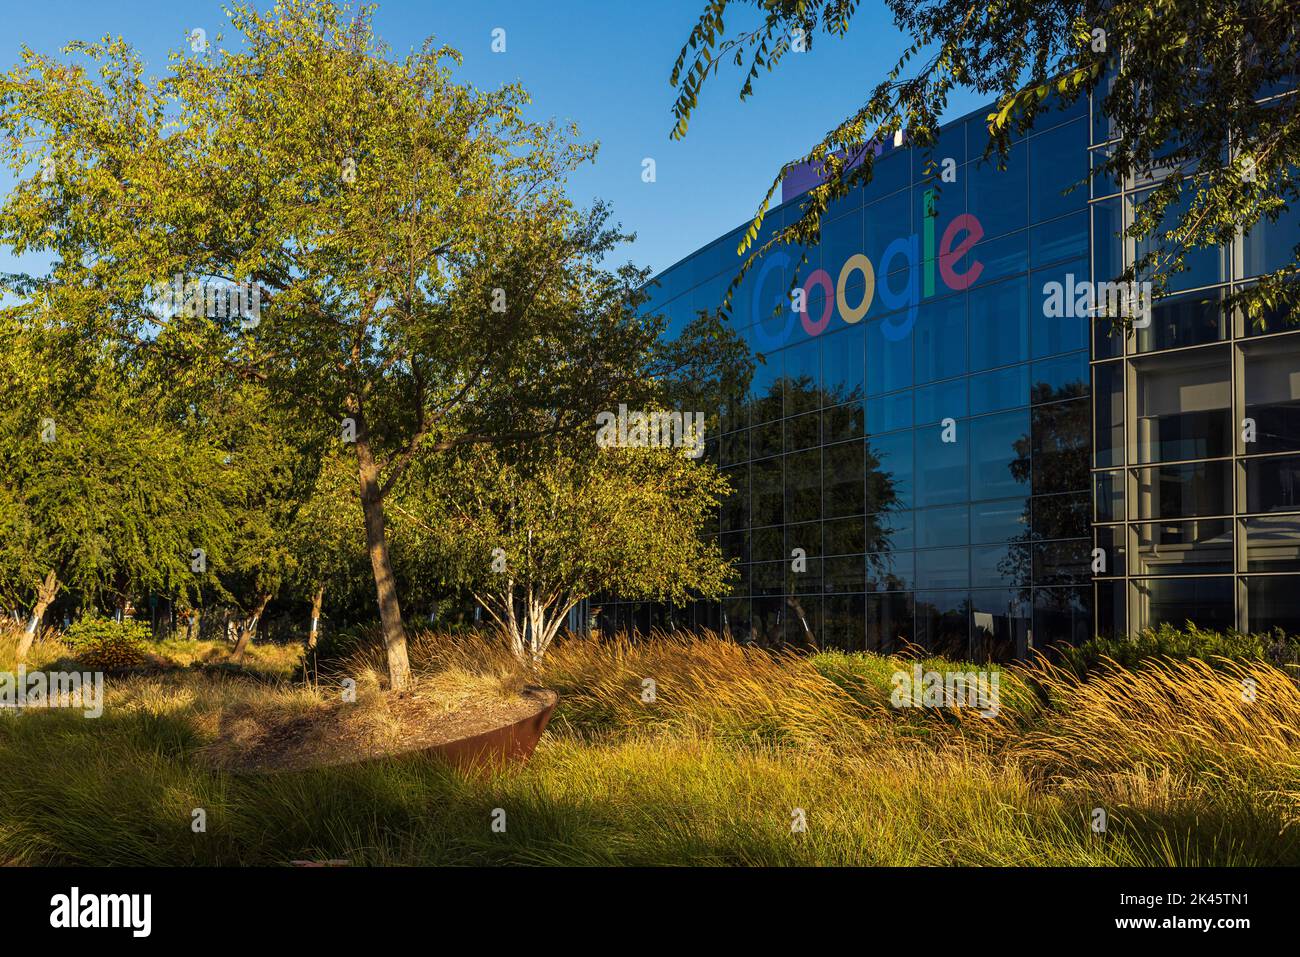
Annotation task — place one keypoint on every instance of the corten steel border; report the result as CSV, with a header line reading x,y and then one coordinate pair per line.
x,y
499,746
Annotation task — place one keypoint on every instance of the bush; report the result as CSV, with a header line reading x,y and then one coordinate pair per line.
x,y
1182,644
105,644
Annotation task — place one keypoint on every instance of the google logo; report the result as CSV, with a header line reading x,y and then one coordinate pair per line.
x,y
961,234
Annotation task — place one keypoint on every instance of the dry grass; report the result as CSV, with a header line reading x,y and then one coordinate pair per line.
x,y
709,771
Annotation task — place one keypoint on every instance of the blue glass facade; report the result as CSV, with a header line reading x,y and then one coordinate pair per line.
x,y
928,455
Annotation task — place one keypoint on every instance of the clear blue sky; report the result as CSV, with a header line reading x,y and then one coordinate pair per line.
x,y
602,63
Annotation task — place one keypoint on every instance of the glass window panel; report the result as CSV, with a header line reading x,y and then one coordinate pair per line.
x,y
894,529
1184,491
1108,407
944,400
1065,377
803,486
942,468
735,545
1060,446
999,197
844,574
806,535
1107,243
998,390
997,258
943,526
1112,609
1271,246
1274,602
1273,394
889,623
767,578
940,337
999,324
943,623
1065,238
943,568
767,492
802,377
1184,407
998,521
1058,171
1050,335
1190,319
844,536
806,582
1184,548
891,571
767,439
1061,516
735,506
735,447
883,222
1203,267
844,487
1000,623
843,363
768,544
1111,539
1108,496
1207,602
1273,484
889,471
1062,615
1105,182
994,566
998,463
1273,543
843,422
1062,562
842,624
803,431
889,412
840,239
889,361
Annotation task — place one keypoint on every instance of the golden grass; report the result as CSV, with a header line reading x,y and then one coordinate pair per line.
x,y
1189,769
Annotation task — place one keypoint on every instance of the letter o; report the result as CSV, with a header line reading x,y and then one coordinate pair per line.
x,y
819,277
861,262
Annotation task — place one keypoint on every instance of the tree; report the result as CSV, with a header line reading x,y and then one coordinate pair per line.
x,y
1200,93
532,536
329,549
107,498
389,252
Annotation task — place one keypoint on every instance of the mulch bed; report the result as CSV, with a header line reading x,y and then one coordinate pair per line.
x,y
402,723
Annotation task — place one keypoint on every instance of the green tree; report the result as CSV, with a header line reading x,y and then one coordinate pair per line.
x,y
1199,92
530,537
108,499
389,252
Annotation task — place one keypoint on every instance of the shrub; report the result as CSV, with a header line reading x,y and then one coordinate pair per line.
x,y
105,644
1182,644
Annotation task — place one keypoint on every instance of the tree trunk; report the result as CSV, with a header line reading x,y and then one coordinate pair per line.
x,y
316,601
390,612
248,628
44,596
194,626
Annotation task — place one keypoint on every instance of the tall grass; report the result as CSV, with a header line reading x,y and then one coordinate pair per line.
x,y
710,769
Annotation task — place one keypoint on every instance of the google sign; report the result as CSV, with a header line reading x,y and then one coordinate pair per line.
x,y
961,234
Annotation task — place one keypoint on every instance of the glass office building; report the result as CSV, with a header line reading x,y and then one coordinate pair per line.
x,y
934,452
